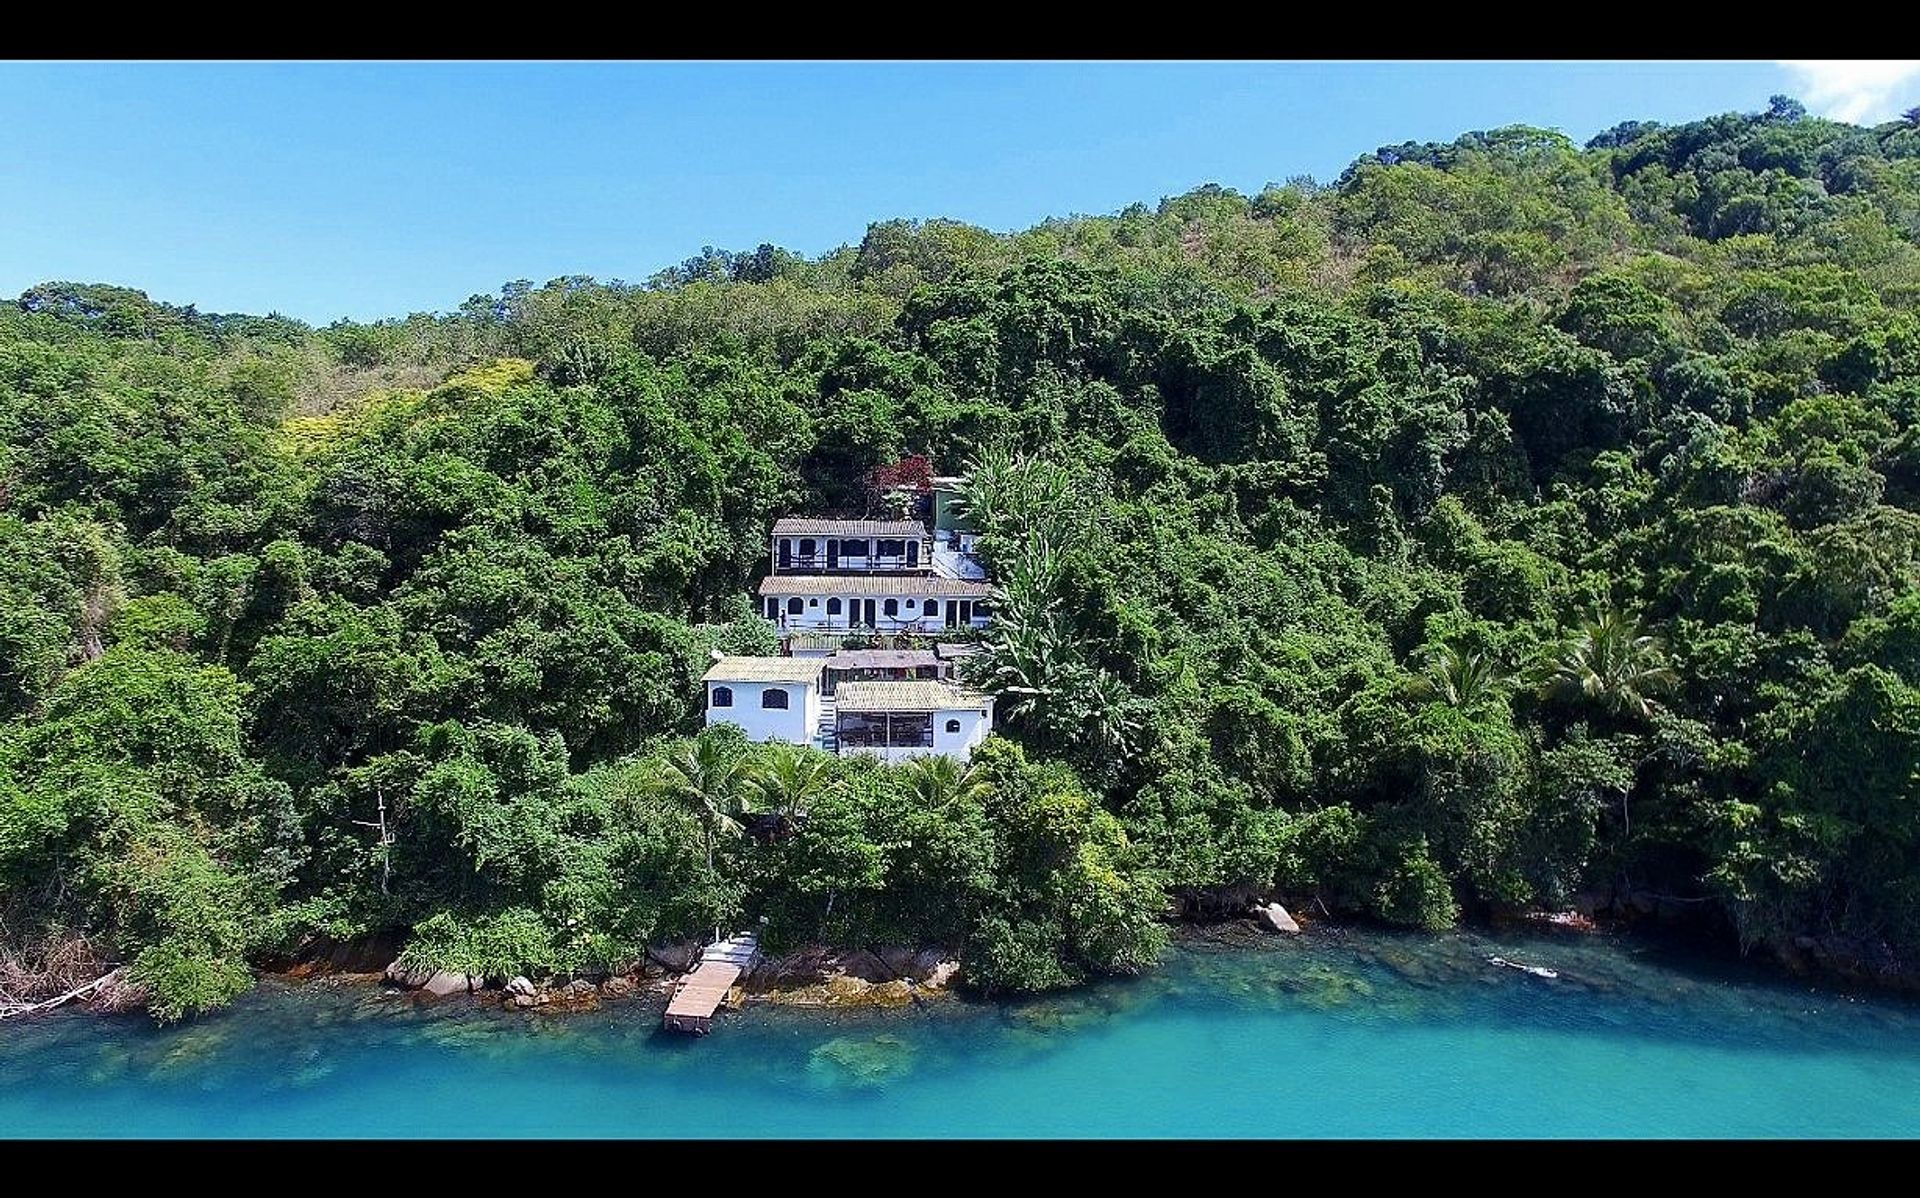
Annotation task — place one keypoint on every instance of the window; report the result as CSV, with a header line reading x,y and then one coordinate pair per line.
x,y
722,696
932,608
891,607
774,698
813,603
892,548
913,603
794,606
833,607
953,725
807,547
773,608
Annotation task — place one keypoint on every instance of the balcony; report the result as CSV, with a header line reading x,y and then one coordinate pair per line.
x,y
861,730
877,563
851,555
813,621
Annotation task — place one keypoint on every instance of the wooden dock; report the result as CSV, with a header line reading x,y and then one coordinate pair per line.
x,y
705,988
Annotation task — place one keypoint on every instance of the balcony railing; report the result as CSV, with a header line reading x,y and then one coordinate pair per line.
x,y
818,623
818,563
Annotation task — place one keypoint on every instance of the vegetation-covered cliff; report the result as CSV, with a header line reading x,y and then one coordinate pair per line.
x,y
1504,520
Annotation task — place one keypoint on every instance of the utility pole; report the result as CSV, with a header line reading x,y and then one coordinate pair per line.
x,y
386,838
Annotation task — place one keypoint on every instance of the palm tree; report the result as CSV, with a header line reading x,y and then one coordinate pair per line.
x,y
1612,662
707,783
1462,680
787,785
940,781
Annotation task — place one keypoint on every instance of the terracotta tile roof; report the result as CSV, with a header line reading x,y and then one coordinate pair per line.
x,y
808,526
765,669
874,586
918,695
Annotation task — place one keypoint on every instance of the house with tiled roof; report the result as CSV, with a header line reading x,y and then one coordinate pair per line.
x,y
857,603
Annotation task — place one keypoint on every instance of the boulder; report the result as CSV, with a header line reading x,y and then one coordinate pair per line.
x,y
1591,902
520,988
942,975
412,977
897,958
926,961
801,968
446,982
617,987
676,957
868,967
579,988
1274,918
522,1001
370,953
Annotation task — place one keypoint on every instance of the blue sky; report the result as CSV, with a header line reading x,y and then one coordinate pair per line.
x,y
363,190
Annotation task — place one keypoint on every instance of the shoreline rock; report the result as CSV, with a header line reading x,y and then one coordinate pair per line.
x,y
1275,918
888,976
891,976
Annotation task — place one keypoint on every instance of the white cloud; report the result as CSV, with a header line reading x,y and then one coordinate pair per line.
x,y
1864,91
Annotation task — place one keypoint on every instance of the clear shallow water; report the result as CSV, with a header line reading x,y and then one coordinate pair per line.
x,y
1346,1035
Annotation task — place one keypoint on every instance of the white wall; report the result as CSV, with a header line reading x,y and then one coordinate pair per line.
x,y
813,614
973,729
796,725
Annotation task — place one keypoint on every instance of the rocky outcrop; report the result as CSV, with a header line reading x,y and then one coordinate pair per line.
x,y
867,966
446,983
675,957
618,987
799,968
814,965
439,983
845,990
889,976
410,977
1865,962
942,976
1565,921
320,954
1275,918
897,959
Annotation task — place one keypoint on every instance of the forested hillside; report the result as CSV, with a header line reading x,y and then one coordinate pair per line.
x,y
1505,520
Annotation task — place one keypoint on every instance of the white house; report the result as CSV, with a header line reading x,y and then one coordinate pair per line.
x,y
805,545
897,720
925,604
773,698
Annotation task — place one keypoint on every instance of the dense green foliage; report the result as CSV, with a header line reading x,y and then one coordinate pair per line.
x,y
1505,519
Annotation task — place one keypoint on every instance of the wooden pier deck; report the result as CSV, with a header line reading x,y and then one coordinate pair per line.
x,y
702,991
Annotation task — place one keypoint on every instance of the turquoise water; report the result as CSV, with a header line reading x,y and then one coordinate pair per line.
x,y
1337,1035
